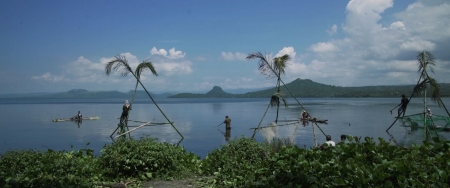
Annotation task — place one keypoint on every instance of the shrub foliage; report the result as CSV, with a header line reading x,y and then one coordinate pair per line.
x,y
242,162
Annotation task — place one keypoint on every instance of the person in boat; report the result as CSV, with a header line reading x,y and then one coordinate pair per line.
x,y
403,104
125,109
77,117
227,122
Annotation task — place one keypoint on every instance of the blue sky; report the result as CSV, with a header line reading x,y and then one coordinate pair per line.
x,y
55,46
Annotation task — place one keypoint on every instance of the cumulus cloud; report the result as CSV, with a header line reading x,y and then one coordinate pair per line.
x,y
48,77
173,68
333,30
287,50
230,56
324,47
172,62
373,54
172,54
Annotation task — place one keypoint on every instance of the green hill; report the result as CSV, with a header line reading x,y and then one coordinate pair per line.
x,y
215,92
305,88
85,94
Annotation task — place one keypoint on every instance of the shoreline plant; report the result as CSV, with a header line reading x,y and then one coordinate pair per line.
x,y
243,162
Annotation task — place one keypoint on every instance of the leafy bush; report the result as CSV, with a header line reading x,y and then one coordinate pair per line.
x,y
353,164
239,163
146,159
30,168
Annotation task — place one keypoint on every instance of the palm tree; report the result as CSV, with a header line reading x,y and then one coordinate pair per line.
x,y
120,64
425,63
273,68
139,69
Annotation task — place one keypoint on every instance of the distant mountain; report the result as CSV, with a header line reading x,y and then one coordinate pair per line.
x,y
83,93
299,88
242,90
25,95
308,88
143,94
215,92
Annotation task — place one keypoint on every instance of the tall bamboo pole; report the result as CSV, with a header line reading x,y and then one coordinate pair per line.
x,y
254,132
154,102
424,99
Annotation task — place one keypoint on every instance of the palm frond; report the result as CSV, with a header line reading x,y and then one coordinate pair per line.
x,y
275,100
119,64
435,91
425,61
143,66
264,66
419,89
280,63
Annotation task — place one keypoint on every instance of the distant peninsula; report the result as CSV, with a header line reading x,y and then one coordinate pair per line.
x,y
301,88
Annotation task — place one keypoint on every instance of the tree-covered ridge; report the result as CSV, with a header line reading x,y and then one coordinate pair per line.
x,y
306,88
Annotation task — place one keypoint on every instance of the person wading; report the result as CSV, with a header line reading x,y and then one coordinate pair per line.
x,y
227,122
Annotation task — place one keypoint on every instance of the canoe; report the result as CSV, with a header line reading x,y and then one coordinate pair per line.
x,y
315,120
69,119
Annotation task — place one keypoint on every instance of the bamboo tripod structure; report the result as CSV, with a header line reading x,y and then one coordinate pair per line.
x,y
279,81
424,74
121,60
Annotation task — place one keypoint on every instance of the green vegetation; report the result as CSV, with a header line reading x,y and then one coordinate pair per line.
x,y
242,162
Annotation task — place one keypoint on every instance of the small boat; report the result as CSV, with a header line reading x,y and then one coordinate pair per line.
x,y
315,120
71,119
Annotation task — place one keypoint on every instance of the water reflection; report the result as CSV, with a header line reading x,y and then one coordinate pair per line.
x,y
226,134
216,107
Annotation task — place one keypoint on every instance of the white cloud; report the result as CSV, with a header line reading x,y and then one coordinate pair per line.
x,y
173,54
230,56
324,47
287,50
397,25
363,15
427,21
333,30
173,68
48,77
417,45
371,54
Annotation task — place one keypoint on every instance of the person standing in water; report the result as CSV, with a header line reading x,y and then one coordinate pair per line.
x,y
227,122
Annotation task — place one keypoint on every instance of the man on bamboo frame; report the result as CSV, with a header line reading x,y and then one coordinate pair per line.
x,y
125,108
403,104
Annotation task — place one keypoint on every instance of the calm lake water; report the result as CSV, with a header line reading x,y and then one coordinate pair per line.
x,y
27,123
